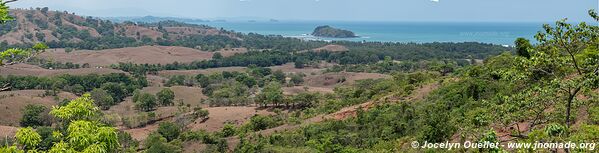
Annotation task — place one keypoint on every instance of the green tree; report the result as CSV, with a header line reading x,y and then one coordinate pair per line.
x,y
228,130
4,16
217,55
166,97
136,94
522,47
563,66
33,115
198,112
117,92
14,55
564,50
81,108
146,102
156,143
279,76
39,47
102,98
297,79
83,133
28,138
299,63
48,138
271,94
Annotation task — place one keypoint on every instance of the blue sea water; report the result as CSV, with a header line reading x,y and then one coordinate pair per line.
x,y
502,33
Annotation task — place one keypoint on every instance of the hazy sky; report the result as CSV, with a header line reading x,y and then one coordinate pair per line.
x,y
347,10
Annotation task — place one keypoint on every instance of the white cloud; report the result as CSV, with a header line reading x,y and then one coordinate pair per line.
x,y
436,1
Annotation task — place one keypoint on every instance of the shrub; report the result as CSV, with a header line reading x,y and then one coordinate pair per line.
x,y
169,130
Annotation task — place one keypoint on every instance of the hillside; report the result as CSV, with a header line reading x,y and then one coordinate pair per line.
x,y
64,29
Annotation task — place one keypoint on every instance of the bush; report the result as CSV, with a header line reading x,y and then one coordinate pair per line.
x,y
166,97
228,130
169,130
146,102
34,115
259,122
102,98
155,143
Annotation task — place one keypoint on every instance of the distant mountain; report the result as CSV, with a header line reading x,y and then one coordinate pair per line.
x,y
153,19
328,31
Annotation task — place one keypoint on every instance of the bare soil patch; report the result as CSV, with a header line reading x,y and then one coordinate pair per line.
x,y
22,69
188,95
290,68
12,103
219,116
299,89
330,80
203,71
232,51
7,131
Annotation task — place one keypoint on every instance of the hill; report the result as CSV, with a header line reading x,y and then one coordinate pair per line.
x,y
64,29
152,19
140,55
328,31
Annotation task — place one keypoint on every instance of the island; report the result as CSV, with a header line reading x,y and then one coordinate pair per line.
x,y
330,32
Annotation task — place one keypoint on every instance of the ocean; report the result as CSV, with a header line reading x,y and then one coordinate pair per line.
x,y
501,33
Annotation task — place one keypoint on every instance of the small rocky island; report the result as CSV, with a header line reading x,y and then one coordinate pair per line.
x,y
330,32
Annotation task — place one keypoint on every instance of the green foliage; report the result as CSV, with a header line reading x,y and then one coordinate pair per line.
x,y
360,53
102,98
271,94
82,108
297,79
117,91
228,130
47,137
146,102
279,76
169,130
86,135
40,47
166,97
155,143
14,55
28,138
33,116
4,16
260,122
522,47
77,84
229,94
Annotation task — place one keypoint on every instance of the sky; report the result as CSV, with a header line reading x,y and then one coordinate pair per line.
x,y
332,10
